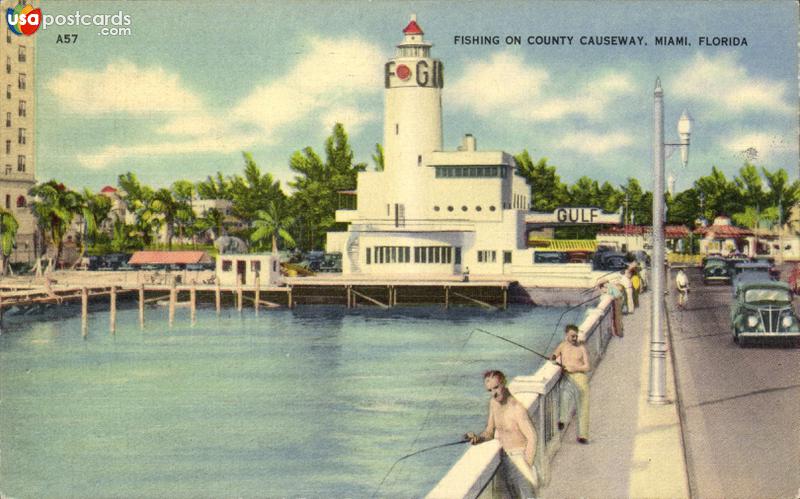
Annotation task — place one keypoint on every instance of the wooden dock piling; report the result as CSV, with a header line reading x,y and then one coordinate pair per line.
x,y
84,311
173,297
257,300
218,298
112,316
193,303
239,293
141,306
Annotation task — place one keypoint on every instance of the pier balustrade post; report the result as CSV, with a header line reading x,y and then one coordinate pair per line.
x,y
238,293
257,300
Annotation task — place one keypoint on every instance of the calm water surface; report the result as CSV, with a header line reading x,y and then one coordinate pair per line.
x,y
310,402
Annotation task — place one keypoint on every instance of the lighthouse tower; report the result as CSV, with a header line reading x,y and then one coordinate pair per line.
x,y
413,118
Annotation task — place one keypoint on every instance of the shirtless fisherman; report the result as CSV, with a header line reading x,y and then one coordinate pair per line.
x,y
510,424
574,360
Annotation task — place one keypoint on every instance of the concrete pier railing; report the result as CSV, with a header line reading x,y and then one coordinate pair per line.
x,y
473,475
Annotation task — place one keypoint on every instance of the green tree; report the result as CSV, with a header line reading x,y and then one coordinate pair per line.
x,y
138,198
93,209
8,237
317,184
217,187
213,219
378,159
273,223
749,185
253,191
722,197
782,194
54,207
547,190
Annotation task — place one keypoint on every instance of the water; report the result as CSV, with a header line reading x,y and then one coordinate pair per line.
x,y
309,402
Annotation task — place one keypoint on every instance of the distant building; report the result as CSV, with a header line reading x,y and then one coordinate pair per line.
x,y
17,112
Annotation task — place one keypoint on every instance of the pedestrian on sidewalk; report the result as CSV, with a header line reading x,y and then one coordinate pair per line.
x,y
682,283
573,358
613,291
510,423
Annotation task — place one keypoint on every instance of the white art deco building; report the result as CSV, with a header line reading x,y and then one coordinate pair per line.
x,y
431,211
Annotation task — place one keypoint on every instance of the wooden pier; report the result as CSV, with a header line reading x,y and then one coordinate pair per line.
x,y
352,293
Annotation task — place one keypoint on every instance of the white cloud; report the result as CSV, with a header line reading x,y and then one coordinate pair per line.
x,y
333,74
325,83
724,83
506,85
122,87
592,143
351,117
758,147
114,153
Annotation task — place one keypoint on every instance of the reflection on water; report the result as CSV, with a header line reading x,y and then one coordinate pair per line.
x,y
309,402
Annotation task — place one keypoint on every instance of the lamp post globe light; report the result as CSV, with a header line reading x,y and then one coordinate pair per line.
x,y
658,345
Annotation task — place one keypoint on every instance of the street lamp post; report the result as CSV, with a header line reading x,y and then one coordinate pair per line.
x,y
658,345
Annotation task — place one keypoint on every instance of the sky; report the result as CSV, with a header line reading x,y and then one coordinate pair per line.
x,y
196,83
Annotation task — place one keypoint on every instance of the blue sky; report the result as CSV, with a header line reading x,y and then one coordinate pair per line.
x,y
196,83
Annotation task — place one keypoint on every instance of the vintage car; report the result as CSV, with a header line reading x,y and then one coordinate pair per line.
x,y
749,271
716,270
774,271
608,259
762,310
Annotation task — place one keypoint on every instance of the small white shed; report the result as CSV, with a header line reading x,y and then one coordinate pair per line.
x,y
248,267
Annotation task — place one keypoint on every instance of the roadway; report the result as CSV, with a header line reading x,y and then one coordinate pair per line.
x,y
740,407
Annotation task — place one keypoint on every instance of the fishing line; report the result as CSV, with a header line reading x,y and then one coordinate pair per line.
x,y
430,410
462,441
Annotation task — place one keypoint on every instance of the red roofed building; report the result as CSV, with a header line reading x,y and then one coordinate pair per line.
x,y
638,237
169,258
413,28
724,238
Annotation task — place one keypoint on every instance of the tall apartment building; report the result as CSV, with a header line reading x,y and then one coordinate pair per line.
x,y
17,130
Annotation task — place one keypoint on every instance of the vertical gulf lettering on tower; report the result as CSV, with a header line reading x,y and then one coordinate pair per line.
x,y
23,19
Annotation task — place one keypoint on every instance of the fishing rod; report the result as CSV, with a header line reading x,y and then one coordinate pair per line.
x,y
512,342
449,444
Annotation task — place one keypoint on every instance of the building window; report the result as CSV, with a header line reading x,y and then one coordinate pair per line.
x,y
397,129
21,136
369,256
467,171
8,120
419,160
457,259
492,208
478,208
449,208
506,257
8,147
463,208
436,208
21,163
433,254
8,91
22,57
22,108
22,81
227,265
21,202
8,169
487,256
8,65
8,201
255,266
392,254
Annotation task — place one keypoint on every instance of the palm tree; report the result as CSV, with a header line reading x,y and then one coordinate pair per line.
x,y
93,210
8,236
273,222
214,220
54,207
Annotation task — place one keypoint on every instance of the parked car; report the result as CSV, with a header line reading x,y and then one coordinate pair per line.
x,y
331,262
762,310
749,272
716,270
550,257
774,271
610,260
